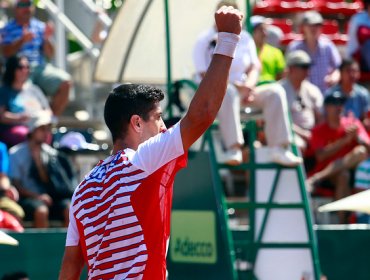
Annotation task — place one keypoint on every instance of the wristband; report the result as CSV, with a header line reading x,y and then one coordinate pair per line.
x,y
226,44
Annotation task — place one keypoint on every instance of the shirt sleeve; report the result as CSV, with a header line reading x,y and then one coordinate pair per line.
x,y
6,39
336,59
73,236
352,43
14,169
319,99
4,159
158,150
362,133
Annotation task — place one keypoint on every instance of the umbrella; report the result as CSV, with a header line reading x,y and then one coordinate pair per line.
x,y
141,49
7,239
359,202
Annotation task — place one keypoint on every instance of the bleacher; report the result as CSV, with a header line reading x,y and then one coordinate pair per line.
x,y
286,15
331,7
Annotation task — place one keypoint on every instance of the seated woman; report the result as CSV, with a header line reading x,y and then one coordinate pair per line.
x,y
19,100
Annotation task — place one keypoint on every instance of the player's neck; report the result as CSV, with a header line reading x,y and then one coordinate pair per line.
x,y
121,144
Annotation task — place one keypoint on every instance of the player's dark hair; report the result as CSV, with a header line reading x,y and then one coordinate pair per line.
x,y
127,100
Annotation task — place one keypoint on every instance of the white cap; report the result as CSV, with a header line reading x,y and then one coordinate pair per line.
x,y
257,20
312,18
76,141
39,119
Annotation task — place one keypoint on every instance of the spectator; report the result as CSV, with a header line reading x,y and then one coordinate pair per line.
x,y
19,100
340,143
305,100
271,58
243,78
42,175
27,36
8,194
358,45
274,36
11,213
324,54
357,96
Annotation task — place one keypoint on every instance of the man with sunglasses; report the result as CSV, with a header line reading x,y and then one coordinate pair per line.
x,y
27,36
304,98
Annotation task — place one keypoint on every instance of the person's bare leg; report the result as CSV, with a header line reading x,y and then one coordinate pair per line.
x,y
342,189
41,217
349,161
61,98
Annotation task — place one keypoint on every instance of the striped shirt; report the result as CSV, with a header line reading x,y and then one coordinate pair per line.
x,y
32,49
362,175
120,212
325,60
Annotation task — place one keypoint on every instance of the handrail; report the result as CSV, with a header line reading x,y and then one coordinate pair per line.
x,y
70,26
104,18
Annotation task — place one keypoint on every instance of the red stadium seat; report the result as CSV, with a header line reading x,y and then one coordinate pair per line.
x,y
276,7
337,6
286,25
330,28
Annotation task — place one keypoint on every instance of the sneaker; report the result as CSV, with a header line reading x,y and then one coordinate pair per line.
x,y
232,157
284,157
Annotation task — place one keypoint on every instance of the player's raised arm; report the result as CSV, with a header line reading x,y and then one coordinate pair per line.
x,y
208,98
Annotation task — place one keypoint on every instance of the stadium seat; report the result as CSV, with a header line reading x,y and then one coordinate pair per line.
x,y
277,7
336,7
330,28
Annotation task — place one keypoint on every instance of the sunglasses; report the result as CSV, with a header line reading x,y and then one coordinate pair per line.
x,y
304,66
24,4
23,67
300,103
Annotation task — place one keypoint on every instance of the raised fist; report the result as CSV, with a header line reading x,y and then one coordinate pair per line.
x,y
228,19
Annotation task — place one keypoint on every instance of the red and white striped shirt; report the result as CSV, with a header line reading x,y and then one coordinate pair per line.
x,y
120,212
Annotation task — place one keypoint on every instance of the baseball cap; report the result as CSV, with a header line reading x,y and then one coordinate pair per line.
x,y
23,3
335,98
312,18
75,141
257,20
39,119
298,58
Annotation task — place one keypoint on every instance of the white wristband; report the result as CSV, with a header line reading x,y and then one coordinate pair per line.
x,y
226,44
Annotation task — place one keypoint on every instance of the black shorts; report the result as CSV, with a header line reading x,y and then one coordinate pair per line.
x,y
55,211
